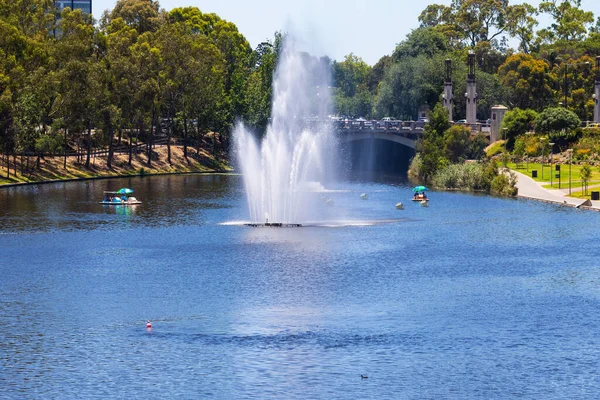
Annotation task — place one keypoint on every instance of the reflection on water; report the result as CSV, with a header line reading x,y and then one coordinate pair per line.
x,y
472,297
120,209
75,205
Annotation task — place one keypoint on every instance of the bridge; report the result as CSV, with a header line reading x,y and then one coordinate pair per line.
x,y
403,132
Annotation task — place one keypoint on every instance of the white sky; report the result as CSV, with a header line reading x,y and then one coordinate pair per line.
x,y
368,28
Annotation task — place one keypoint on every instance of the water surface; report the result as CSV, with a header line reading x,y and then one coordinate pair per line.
x,y
472,297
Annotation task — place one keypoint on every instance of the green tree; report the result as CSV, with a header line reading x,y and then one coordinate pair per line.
x,y
521,23
570,21
529,80
558,119
586,173
141,15
517,122
431,146
456,143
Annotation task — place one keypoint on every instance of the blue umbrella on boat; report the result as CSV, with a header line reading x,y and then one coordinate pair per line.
x,y
419,189
125,191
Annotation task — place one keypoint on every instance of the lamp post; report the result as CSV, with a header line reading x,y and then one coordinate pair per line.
x,y
551,172
543,150
570,151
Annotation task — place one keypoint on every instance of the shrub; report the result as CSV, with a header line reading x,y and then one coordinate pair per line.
x,y
470,176
504,184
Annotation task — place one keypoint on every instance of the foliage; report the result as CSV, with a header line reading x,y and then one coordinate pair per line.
x,y
570,21
456,143
530,82
431,145
555,120
504,184
517,122
476,176
586,173
351,81
477,146
468,176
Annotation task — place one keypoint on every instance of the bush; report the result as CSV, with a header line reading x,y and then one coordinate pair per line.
x,y
470,176
504,184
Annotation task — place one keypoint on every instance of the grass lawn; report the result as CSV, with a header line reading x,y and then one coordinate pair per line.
x,y
576,185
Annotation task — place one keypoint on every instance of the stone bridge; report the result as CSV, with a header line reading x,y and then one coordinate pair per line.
x,y
403,132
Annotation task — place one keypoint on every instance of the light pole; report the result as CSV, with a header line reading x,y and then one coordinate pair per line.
x,y
551,172
543,149
570,151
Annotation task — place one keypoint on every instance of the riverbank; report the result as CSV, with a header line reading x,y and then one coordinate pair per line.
x,y
52,168
530,189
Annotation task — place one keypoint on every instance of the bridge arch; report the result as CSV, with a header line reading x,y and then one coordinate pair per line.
x,y
353,136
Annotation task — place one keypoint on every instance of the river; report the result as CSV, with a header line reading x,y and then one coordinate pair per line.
x,y
471,297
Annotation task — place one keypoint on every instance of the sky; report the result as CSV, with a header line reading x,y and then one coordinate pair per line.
x,y
368,28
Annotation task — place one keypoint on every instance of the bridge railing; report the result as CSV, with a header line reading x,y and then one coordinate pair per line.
x,y
399,126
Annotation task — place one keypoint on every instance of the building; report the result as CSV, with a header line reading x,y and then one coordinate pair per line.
x,y
83,5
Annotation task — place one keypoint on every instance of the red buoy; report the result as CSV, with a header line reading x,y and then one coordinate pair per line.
x,y
149,324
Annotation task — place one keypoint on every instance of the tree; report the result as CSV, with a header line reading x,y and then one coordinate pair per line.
x,y
431,146
456,143
517,122
521,24
74,52
141,15
558,119
529,81
570,21
475,21
351,81
408,85
586,173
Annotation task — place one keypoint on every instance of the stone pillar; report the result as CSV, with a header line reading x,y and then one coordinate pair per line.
x,y
497,117
448,96
597,91
471,93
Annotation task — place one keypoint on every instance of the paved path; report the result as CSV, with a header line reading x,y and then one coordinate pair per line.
x,y
530,189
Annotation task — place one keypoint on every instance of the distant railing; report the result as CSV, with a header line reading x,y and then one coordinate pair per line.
x,y
398,126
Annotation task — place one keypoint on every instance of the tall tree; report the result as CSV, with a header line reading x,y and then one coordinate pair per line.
x,y
570,21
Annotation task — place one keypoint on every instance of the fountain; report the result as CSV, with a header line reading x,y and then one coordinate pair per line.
x,y
283,173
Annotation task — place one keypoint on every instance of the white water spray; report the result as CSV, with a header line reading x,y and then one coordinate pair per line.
x,y
282,174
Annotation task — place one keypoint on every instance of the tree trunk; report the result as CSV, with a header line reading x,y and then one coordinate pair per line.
x,y
110,148
185,135
89,147
151,136
130,149
169,134
199,138
65,149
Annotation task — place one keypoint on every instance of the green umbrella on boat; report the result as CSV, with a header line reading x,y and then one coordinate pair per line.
x,y
125,191
419,189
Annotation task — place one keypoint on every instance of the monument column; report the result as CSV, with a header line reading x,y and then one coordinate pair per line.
x,y
471,93
448,96
597,91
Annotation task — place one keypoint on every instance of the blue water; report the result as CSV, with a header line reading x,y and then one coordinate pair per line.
x,y
473,297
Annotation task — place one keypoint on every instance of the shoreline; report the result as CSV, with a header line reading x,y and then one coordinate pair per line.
x,y
532,190
52,170
211,172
